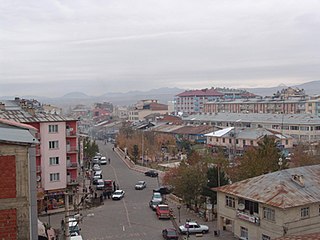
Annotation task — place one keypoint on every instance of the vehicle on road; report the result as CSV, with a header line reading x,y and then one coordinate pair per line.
x,y
96,167
97,175
163,211
193,227
151,173
117,195
170,234
140,185
154,203
163,189
74,229
100,184
157,196
103,161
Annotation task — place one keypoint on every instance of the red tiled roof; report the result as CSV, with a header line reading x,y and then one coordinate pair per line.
x,y
202,92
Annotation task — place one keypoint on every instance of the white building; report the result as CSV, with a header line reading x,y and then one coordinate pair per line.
x,y
273,205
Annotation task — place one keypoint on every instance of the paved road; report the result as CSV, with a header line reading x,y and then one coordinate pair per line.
x,y
131,217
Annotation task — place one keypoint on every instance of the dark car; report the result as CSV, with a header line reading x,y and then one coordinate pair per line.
x,y
151,173
170,233
163,189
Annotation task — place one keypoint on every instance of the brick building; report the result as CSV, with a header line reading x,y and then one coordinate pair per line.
x,y
18,205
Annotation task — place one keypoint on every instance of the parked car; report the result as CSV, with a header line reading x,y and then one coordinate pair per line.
x,y
163,211
157,196
97,175
151,173
163,190
170,233
103,160
154,203
74,229
117,195
96,167
140,185
193,227
100,184
95,161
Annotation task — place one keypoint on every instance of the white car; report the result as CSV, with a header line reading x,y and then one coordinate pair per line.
x,y
100,184
140,185
117,195
157,196
193,227
96,167
103,160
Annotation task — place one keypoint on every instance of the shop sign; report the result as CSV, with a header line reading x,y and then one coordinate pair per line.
x,y
249,218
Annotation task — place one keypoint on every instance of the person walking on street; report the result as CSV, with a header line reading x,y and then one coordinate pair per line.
x,y
105,194
109,160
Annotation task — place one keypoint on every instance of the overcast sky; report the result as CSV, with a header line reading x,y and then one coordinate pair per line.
x,y
124,45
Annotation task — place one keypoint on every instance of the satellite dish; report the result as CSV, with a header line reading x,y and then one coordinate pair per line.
x,y
38,178
241,206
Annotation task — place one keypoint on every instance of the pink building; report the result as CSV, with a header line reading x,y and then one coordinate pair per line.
x,y
57,156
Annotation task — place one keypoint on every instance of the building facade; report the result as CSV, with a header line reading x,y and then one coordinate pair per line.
x,y
57,155
18,204
144,108
272,205
302,127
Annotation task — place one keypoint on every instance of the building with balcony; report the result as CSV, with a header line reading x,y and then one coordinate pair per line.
x,y
302,127
57,156
18,193
273,205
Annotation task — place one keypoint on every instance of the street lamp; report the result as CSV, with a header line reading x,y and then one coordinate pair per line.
x,y
179,207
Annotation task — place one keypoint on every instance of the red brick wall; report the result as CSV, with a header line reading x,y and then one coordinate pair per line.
x,y
8,177
8,224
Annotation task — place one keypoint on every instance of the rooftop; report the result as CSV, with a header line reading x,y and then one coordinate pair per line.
x,y
283,189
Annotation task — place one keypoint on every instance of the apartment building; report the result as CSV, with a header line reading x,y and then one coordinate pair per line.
x,y
57,156
302,127
273,205
266,105
236,140
192,101
18,202
146,107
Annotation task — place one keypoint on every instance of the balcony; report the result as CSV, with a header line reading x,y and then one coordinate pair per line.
x,y
72,149
72,182
72,165
71,133
248,217
38,152
38,169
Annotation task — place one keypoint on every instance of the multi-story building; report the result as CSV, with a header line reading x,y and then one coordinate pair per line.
x,y
236,140
57,156
18,193
272,205
144,108
192,101
266,105
302,127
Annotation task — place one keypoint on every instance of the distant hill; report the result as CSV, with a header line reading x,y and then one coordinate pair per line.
x,y
311,88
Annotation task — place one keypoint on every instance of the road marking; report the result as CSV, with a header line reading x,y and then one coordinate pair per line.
x,y
123,228
124,202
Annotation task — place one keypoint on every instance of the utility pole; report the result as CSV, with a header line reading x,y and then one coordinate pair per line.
x,y
66,216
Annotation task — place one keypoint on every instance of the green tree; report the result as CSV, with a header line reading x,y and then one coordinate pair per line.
x,y
258,160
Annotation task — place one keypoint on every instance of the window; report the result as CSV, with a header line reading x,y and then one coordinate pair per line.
x,y
54,160
243,142
230,140
230,201
268,214
305,212
223,140
294,127
53,128
251,142
244,233
265,237
53,144
54,177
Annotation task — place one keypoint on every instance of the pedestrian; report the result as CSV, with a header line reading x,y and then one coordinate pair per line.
x,y
105,194
109,195
62,225
118,187
109,160
101,198
95,195
114,186
112,148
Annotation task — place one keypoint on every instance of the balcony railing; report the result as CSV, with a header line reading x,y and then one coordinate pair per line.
x,y
71,133
38,168
72,165
248,217
72,182
72,148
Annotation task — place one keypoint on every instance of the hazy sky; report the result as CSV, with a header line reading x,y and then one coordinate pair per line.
x,y
123,45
